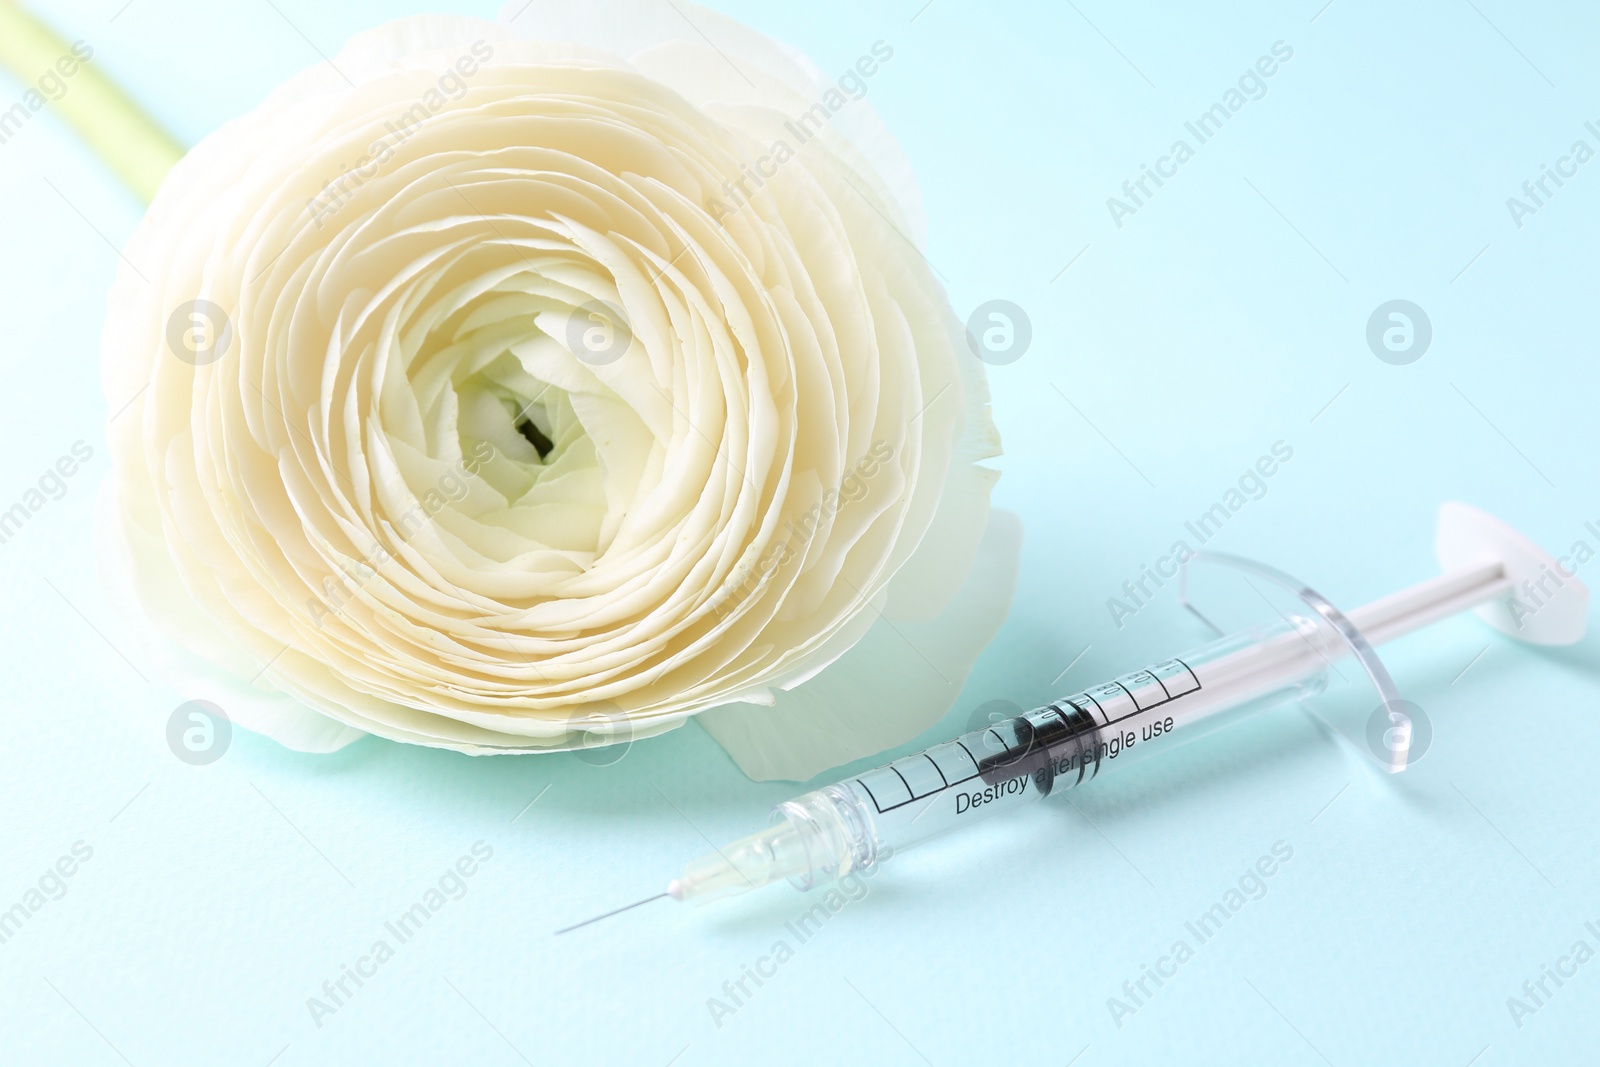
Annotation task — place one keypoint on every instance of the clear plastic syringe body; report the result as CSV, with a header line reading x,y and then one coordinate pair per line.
x,y
852,825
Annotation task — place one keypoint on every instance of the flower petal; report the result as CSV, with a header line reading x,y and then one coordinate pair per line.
x,y
896,682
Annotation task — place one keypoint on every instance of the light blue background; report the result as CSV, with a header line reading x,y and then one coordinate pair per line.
x,y
1225,315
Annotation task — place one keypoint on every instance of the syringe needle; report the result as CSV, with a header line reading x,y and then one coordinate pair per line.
x,y
608,914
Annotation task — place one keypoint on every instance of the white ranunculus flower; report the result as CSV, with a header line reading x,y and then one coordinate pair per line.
x,y
495,387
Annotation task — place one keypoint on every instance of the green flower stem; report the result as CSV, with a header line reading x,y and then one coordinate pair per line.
x,y
125,138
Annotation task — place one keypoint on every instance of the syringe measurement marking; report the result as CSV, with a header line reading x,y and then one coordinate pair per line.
x,y
962,745
912,793
1167,698
1168,695
868,788
1105,720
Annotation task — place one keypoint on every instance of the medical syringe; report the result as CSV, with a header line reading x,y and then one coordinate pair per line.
x,y
853,824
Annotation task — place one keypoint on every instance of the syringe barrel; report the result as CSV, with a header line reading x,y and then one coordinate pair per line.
x,y
1063,744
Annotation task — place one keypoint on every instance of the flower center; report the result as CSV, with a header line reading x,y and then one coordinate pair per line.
x,y
535,437
529,423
